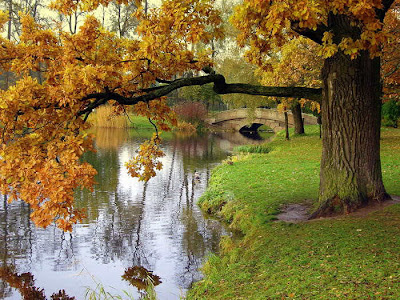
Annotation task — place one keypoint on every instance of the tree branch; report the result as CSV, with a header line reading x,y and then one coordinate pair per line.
x,y
220,87
314,35
380,13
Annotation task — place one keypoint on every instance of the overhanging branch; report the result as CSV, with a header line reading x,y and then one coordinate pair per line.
x,y
220,87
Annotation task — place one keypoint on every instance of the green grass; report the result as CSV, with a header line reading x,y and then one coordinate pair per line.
x,y
343,258
253,149
140,122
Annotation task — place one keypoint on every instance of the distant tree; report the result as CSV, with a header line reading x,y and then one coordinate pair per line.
x,y
236,69
122,18
391,113
204,94
296,63
391,56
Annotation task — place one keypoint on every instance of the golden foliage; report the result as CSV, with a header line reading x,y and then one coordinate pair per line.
x,y
266,24
146,162
296,63
186,128
42,129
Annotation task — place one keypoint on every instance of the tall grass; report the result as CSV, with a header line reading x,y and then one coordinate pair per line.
x,y
104,117
109,138
100,293
253,149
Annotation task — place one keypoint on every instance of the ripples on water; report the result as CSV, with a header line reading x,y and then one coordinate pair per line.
x,y
155,225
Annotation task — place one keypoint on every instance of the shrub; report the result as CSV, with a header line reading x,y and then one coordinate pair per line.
x,y
390,113
185,127
192,112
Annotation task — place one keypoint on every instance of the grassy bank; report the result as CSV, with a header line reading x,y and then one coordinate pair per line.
x,y
349,257
105,117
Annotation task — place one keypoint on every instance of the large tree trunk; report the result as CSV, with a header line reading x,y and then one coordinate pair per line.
x,y
351,174
297,119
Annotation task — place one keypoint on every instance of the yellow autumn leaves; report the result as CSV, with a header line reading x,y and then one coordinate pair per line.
x,y
42,127
265,24
146,162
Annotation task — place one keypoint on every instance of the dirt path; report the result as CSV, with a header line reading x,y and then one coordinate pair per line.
x,y
294,213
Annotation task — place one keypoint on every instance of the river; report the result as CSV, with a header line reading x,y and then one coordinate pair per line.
x,y
156,225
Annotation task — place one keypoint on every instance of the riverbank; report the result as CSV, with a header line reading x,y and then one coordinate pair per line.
x,y
348,257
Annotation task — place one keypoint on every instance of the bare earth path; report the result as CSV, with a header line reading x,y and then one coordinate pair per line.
x,y
294,213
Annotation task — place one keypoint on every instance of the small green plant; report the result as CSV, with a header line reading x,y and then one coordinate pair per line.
x,y
253,149
100,293
150,290
147,291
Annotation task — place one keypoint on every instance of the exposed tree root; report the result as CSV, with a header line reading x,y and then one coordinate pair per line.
x,y
336,206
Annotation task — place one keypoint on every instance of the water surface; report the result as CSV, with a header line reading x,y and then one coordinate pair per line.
x,y
155,225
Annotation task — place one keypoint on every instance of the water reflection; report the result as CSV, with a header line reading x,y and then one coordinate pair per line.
x,y
25,284
156,225
141,278
229,140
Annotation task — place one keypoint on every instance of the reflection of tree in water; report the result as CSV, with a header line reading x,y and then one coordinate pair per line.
x,y
109,138
124,224
25,284
65,257
199,152
141,278
15,236
118,232
139,254
106,162
19,238
197,235
116,220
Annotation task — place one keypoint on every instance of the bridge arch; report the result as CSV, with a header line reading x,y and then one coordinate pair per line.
x,y
237,119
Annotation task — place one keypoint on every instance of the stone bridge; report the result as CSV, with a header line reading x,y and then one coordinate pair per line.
x,y
249,119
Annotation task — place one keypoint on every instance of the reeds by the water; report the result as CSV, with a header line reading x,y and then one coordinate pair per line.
x,y
105,117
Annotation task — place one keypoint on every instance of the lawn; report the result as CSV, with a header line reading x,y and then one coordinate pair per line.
x,y
349,257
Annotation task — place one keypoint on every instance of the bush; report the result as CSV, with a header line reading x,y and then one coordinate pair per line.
x,y
192,112
390,113
185,127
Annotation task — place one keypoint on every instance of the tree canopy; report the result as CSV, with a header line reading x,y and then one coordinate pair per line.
x,y
43,122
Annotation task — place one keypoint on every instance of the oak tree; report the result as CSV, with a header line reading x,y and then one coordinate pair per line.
x,y
350,35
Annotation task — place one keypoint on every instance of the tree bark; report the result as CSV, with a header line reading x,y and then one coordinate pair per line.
x,y
286,126
350,174
319,121
298,119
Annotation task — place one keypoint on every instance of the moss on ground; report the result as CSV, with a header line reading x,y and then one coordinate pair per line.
x,y
347,257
